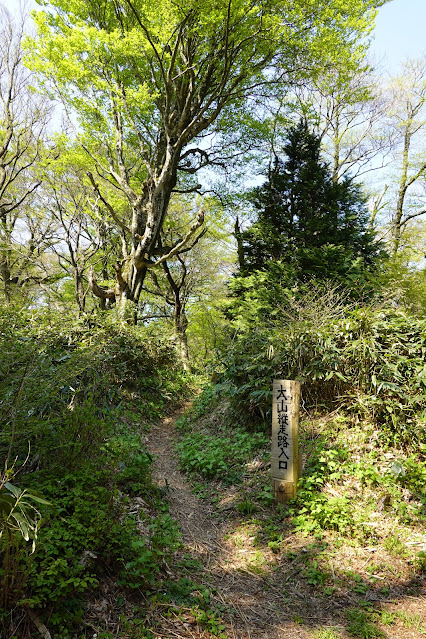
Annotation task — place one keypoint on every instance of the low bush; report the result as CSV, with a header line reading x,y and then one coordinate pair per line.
x,y
74,396
370,360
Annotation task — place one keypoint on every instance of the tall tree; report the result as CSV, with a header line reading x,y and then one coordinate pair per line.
x,y
307,220
149,81
23,118
407,120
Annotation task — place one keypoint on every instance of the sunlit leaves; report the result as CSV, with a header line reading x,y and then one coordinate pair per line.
x,y
18,511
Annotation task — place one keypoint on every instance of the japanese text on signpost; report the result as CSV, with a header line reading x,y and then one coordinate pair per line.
x,y
285,454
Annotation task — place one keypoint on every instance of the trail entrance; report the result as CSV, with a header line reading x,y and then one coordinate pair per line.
x,y
254,606
259,594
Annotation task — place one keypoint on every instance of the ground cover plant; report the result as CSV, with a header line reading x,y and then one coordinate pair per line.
x,y
221,456
75,398
355,533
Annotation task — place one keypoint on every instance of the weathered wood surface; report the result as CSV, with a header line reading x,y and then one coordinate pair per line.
x,y
285,464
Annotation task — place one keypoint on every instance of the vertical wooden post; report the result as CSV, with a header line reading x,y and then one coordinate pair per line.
x,y
285,439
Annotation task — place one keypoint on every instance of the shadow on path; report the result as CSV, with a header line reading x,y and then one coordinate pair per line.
x,y
262,595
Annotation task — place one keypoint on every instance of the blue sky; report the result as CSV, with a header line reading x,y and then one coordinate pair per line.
x,y
400,32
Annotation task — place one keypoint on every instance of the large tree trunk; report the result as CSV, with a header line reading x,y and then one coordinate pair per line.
x,y
148,213
5,276
134,282
180,326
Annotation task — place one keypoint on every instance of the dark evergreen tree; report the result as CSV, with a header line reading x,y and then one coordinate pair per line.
x,y
317,227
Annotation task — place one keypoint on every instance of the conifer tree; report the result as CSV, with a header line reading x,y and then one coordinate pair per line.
x,y
317,227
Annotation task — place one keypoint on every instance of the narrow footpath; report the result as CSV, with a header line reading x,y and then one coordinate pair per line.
x,y
253,602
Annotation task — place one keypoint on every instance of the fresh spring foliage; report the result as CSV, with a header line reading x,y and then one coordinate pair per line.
x,y
386,485
146,82
71,395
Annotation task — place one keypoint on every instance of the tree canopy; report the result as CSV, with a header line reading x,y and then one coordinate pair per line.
x,y
149,82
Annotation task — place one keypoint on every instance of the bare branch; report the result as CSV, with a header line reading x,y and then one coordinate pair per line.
x,y
182,245
407,218
99,291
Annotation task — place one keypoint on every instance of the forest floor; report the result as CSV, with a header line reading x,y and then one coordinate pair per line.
x,y
309,589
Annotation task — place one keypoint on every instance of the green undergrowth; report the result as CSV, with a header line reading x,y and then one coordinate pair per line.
x,y
355,529
348,476
187,597
366,360
362,437
75,400
215,452
369,622
350,482
221,456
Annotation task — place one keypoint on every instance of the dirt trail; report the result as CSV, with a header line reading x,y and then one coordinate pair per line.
x,y
261,595
253,609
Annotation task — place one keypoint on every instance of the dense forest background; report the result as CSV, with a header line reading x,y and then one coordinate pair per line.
x,y
203,195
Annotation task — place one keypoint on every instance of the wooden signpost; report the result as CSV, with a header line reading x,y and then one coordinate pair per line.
x,y
285,439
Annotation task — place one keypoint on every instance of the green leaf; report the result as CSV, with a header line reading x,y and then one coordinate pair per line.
x,y
36,497
13,489
23,525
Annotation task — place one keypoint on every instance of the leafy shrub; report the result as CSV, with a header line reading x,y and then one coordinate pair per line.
x,y
221,456
20,521
86,533
67,402
331,465
79,523
18,511
369,359
144,557
62,381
